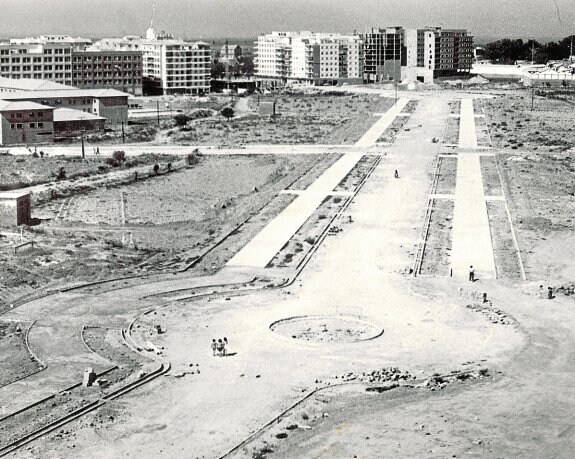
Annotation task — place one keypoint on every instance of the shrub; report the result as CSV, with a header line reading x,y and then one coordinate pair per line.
x,y
117,159
181,119
227,112
119,156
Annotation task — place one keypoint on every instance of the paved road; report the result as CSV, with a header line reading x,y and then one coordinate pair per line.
x,y
139,149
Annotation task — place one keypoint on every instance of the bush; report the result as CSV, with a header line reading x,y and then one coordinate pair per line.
x,y
119,156
228,112
117,159
181,119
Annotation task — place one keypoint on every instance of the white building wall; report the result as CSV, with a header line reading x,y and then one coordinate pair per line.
x,y
300,64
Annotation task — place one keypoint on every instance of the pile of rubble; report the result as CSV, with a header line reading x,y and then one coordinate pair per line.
x,y
494,315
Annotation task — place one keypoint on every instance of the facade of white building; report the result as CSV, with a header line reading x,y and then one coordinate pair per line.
x,y
316,58
169,66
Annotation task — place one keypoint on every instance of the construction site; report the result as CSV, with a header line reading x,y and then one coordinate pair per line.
x,y
365,273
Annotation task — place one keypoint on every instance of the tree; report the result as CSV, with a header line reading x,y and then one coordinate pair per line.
x,y
228,112
218,70
248,65
117,159
181,119
119,156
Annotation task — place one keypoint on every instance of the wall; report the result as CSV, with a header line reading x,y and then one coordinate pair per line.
x,y
114,109
26,134
15,212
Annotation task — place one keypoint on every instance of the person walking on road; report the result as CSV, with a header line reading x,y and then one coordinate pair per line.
x,y
396,174
471,274
225,346
220,347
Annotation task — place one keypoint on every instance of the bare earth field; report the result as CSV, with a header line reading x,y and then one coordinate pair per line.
x,y
173,218
352,358
24,171
548,127
302,118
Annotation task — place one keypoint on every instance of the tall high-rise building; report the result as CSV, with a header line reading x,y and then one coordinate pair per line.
x,y
433,53
384,54
169,66
70,61
316,58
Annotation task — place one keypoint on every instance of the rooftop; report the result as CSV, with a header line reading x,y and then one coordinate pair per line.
x,y
14,194
68,114
79,93
6,105
32,84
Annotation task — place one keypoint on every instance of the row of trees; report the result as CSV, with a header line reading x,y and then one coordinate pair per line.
x,y
508,51
244,66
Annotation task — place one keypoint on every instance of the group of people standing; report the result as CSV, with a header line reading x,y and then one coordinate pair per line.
x,y
219,347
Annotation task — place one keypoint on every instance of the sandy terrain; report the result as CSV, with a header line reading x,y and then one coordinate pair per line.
x,y
461,369
173,217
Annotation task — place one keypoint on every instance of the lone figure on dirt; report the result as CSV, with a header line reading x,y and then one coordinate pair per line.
x,y
220,347
471,274
214,346
396,174
156,169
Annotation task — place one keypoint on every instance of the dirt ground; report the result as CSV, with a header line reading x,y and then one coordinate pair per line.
x,y
513,124
534,155
24,171
452,375
169,221
15,360
301,118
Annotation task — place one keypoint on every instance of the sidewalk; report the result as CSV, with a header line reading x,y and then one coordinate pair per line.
x,y
261,250
471,244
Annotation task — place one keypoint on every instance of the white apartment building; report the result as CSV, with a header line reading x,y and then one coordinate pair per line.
x,y
316,58
169,66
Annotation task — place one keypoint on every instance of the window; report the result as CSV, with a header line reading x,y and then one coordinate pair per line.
x,y
31,114
19,125
12,126
40,125
32,125
18,115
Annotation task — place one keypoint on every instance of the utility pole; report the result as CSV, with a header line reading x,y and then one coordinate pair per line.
x,y
532,53
83,152
123,133
158,111
532,97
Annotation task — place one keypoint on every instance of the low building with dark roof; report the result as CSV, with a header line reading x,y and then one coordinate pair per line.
x,y
25,122
68,122
109,103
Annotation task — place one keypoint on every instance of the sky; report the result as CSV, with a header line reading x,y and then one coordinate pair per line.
x,y
209,19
